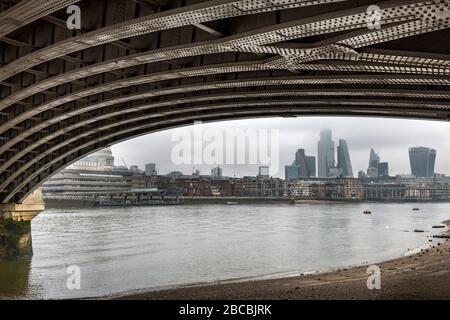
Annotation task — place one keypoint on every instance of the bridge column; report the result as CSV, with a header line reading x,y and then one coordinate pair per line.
x,y
15,226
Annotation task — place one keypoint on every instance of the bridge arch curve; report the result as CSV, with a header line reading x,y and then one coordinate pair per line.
x,y
147,66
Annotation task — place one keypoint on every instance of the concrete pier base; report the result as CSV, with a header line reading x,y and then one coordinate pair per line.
x,y
15,226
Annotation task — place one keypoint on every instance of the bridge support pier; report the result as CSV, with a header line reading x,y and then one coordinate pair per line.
x,y
15,226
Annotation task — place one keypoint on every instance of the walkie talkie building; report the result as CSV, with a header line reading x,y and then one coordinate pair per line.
x,y
422,161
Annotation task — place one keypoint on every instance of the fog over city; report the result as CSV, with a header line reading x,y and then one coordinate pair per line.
x,y
390,138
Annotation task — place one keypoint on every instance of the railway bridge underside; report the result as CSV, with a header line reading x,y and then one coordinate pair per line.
x,y
140,66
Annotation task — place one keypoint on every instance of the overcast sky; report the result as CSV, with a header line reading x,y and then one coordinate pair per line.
x,y
390,138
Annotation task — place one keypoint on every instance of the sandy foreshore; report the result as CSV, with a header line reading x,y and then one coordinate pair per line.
x,y
422,275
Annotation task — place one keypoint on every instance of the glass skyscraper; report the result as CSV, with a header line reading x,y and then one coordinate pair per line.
x,y
291,172
343,157
307,164
422,161
325,153
150,169
383,169
374,159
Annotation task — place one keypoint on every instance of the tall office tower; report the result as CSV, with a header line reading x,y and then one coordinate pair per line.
x,y
422,161
372,172
306,164
263,172
374,159
150,169
291,172
334,172
343,157
311,162
325,153
383,169
216,172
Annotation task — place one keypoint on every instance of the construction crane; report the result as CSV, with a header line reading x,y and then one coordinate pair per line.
x,y
123,160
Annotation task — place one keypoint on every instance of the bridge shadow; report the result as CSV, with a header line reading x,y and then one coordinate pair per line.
x,y
14,277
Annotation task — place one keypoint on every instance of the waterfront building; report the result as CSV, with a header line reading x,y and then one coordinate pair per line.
x,y
346,188
237,187
418,192
305,189
440,192
150,169
74,184
256,187
299,189
291,172
215,192
325,153
250,186
272,187
193,185
409,179
318,190
422,161
384,191
343,156
335,191
223,186
102,160
93,177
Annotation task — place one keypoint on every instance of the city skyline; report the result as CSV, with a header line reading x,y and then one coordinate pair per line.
x,y
302,133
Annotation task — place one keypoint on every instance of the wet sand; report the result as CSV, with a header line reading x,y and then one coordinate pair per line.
x,y
423,275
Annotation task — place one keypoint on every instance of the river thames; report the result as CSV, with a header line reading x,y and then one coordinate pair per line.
x,y
121,250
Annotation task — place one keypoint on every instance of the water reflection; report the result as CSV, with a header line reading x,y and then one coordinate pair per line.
x,y
14,277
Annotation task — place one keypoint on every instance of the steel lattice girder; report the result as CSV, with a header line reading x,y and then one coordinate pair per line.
x,y
28,11
65,96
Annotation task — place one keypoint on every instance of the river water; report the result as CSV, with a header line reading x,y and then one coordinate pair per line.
x,y
137,248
